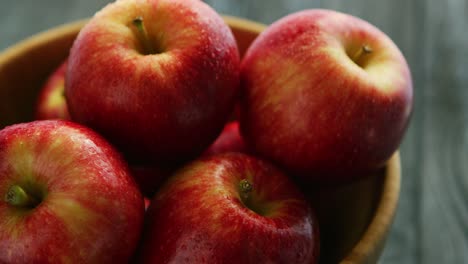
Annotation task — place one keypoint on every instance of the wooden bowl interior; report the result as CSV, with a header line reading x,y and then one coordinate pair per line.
x,y
354,219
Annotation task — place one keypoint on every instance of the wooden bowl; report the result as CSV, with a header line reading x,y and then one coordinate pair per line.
x,y
354,219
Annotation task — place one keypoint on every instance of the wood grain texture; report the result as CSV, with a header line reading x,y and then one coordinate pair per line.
x,y
444,208
432,220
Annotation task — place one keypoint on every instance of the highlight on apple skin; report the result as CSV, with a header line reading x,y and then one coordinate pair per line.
x,y
157,78
66,196
229,208
326,95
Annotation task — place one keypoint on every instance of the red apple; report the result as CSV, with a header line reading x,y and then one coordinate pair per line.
x,y
325,95
157,78
230,140
51,102
66,196
229,208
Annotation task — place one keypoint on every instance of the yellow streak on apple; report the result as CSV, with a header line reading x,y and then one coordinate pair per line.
x,y
291,79
28,163
381,70
73,214
21,159
130,54
382,73
76,218
216,190
56,98
120,31
13,221
155,63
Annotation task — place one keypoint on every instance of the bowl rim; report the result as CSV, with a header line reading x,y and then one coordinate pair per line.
x,y
381,222
371,242
16,49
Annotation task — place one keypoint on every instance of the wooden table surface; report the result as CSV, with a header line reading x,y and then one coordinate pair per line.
x,y
431,224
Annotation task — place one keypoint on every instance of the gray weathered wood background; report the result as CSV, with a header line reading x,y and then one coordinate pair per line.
x,y
431,225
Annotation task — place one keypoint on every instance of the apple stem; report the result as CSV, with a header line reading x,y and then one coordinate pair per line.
x,y
17,196
360,53
245,188
143,35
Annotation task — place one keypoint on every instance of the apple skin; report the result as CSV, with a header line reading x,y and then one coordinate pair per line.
x,y
51,102
230,140
90,209
314,111
166,107
198,216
